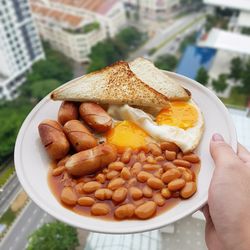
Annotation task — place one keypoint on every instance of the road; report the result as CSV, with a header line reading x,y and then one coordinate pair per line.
x,y
163,34
10,191
31,218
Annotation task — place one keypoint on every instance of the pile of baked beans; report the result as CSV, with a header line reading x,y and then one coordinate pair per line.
x,y
135,186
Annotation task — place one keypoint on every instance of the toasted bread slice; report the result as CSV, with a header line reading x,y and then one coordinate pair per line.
x,y
156,79
115,84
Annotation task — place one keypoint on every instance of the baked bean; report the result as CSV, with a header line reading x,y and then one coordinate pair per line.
x,y
68,196
138,203
105,170
182,169
143,176
79,188
188,190
120,194
182,163
142,157
126,155
132,182
116,183
170,155
155,183
100,209
191,158
147,191
112,174
117,165
159,158
62,161
136,168
166,193
168,165
101,178
187,176
179,155
91,186
170,175
125,174
151,159
151,167
125,211
176,184
86,201
103,194
146,210
169,146
158,173
57,171
154,149
135,193
159,199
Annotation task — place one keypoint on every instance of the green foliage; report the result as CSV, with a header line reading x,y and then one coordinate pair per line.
x,y
245,76
236,67
111,50
245,31
8,217
220,84
217,20
90,27
202,76
236,98
54,235
5,175
187,41
166,62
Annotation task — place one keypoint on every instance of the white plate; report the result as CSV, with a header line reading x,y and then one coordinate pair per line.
x,y
32,164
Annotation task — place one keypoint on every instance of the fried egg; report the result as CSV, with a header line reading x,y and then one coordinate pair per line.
x,y
181,123
126,134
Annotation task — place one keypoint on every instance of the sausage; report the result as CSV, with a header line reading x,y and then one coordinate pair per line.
x,y
67,111
79,136
53,139
91,160
95,116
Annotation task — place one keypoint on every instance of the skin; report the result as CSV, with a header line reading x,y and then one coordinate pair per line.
x,y
228,210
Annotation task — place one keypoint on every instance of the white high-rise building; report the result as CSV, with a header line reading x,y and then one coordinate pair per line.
x,y
20,45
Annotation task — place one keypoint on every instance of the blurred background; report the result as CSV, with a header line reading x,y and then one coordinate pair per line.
x,y
45,43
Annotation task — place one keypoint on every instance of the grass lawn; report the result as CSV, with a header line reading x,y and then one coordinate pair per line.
x,y
8,217
4,176
236,99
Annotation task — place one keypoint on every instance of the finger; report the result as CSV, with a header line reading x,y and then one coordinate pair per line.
x,y
205,211
243,153
222,153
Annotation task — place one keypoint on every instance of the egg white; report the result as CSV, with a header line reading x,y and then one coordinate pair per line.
x,y
186,139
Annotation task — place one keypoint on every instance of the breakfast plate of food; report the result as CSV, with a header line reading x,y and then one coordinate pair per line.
x,y
122,150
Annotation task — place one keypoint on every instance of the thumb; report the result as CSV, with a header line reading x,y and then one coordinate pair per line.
x,y
221,152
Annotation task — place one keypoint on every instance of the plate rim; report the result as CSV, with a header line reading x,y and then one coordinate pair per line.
x,y
129,230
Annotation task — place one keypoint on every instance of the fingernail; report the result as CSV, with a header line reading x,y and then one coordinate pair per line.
x,y
217,137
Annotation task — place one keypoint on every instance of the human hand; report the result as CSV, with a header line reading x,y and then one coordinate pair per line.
x,y
228,210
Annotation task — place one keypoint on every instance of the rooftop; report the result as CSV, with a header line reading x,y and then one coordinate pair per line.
x,y
244,19
226,40
239,4
98,6
60,16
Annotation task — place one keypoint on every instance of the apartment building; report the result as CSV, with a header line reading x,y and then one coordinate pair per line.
x,y
152,9
20,45
74,27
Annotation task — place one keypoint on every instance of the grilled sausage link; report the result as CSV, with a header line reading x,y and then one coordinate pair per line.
x,y
67,111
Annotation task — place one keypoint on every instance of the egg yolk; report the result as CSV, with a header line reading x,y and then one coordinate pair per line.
x,y
127,134
179,114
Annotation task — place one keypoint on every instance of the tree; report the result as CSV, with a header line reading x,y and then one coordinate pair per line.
x,y
190,39
40,88
54,235
245,76
220,84
236,67
202,76
166,62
